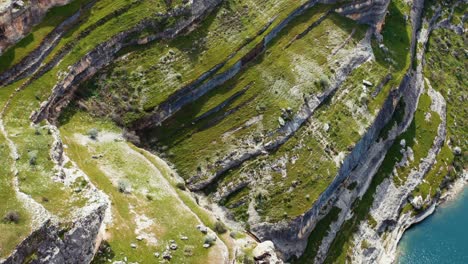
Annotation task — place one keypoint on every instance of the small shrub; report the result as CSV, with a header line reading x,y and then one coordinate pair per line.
x,y
210,239
32,157
324,82
93,133
181,185
12,217
364,245
248,260
188,250
220,228
124,186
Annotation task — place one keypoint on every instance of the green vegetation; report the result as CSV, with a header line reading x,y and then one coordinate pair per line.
x,y
318,234
122,168
150,74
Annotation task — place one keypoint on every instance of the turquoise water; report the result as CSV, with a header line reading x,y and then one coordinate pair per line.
x,y
441,238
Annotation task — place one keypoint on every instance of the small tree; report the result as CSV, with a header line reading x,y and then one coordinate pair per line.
x,y
210,239
12,217
32,157
93,133
220,228
324,82
124,186
181,185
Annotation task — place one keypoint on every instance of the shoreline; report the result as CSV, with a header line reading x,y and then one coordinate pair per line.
x,y
453,193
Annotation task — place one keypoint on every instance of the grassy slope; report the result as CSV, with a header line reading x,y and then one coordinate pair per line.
x,y
151,73
36,180
12,233
124,162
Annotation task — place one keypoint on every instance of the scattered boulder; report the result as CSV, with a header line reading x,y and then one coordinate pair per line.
x,y
202,229
184,238
173,246
326,127
417,202
265,253
403,143
139,238
167,255
156,254
367,83
457,151
281,121
206,245
133,245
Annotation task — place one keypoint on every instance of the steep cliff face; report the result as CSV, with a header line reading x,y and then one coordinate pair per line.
x,y
74,242
18,17
370,12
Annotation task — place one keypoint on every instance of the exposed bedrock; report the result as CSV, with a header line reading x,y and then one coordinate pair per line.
x,y
390,199
18,17
411,87
291,236
61,243
370,12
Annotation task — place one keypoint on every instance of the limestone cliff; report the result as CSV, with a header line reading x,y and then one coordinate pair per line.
x,y
18,17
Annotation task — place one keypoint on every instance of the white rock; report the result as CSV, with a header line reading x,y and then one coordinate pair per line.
x,y
202,229
265,251
281,121
133,245
367,83
326,127
457,151
417,202
403,143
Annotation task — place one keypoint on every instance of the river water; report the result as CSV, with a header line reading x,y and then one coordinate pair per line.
x,y
441,238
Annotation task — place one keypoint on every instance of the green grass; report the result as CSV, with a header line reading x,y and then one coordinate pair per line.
x,y
174,64
12,233
419,136
132,164
435,177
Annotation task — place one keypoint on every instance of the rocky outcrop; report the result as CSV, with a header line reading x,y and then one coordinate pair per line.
x,y
34,59
291,237
371,12
61,243
17,18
